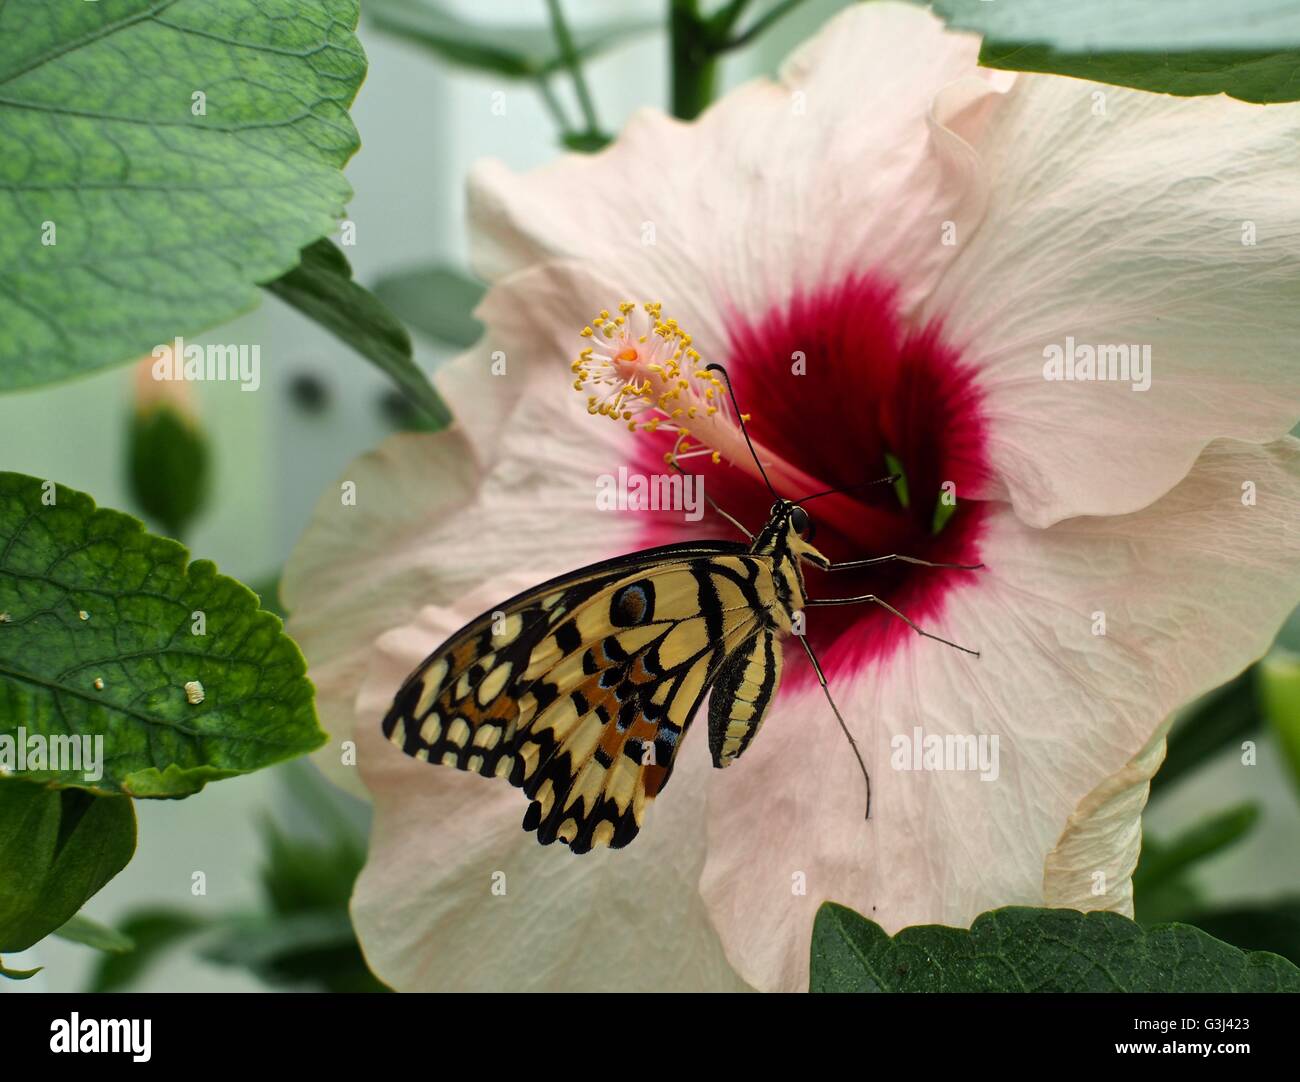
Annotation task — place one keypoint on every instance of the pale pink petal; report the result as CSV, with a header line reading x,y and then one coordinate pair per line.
x,y
1193,588
364,566
1091,866
845,165
1127,228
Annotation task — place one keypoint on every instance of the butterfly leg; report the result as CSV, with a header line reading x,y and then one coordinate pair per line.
x,y
672,462
873,599
821,679
849,565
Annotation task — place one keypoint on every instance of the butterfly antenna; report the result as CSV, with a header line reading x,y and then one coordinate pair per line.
x,y
821,679
893,477
741,421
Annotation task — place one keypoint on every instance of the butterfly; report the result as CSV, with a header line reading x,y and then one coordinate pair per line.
x,y
580,691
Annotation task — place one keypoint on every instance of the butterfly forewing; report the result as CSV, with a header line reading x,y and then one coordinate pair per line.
x,y
580,691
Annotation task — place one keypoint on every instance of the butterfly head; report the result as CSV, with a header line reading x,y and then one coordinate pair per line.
x,y
790,529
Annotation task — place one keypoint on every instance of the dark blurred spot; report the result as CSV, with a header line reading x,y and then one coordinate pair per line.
x,y
309,392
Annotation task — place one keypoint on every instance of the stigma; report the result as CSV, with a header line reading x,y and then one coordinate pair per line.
x,y
641,370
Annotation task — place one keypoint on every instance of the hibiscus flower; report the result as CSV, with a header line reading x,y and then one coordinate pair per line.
x,y
900,258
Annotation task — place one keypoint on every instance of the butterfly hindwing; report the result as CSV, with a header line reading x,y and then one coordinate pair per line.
x,y
580,691
744,690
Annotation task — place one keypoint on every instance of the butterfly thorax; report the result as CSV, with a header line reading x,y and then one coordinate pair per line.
x,y
781,542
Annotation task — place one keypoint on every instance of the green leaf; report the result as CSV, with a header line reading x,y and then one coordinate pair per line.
x,y
268,595
1279,689
313,947
438,301
515,51
1121,24
586,142
1270,926
1224,717
18,974
1163,862
1171,900
1288,635
1250,76
1034,950
1183,47
99,641
299,875
322,288
92,934
152,931
167,455
57,848
164,221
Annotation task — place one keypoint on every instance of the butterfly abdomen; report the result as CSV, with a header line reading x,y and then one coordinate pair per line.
x,y
740,698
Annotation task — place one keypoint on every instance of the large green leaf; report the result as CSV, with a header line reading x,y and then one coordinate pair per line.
x,y
57,848
1034,950
1121,24
321,287
1261,76
164,220
103,628
1184,47
512,50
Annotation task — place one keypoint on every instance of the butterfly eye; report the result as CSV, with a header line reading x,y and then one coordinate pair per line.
x,y
799,520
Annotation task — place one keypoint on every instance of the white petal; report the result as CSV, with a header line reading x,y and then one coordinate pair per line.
x,y
1127,229
1193,589
845,165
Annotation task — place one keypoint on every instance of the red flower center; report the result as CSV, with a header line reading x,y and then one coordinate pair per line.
x,y
839,386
